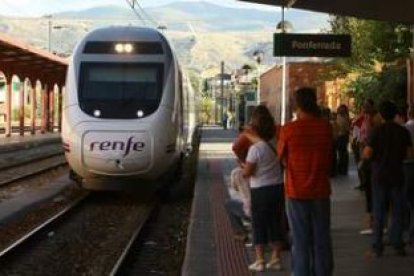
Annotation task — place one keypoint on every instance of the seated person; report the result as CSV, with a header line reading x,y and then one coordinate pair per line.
x,y
238,206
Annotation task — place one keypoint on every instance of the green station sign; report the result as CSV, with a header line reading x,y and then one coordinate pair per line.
x,y
250,96
311,45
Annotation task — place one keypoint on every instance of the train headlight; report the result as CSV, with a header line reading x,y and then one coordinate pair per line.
x,y
124,48
128,47
140,113
119,48
97,113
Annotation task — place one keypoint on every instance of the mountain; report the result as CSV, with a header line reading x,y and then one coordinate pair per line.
x,y
98,12
203,34
232,19
208,16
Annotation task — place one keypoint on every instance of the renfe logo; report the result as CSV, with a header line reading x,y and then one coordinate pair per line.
x,y
118,145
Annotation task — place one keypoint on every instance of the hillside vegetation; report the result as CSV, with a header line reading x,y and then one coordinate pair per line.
x,y
203,34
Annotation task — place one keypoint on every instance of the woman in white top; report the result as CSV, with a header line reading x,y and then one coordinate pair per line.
x,y
266,187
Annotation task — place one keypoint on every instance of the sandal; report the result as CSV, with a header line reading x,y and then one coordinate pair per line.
x,y
274,264
258,265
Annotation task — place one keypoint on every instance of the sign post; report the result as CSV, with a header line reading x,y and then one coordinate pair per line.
x,y
311,45
307,45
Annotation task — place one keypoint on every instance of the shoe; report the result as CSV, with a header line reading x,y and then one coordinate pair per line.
x,y
274,264
366,232
257,266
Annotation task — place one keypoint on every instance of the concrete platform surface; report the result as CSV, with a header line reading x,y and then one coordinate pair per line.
x,y
21,200
212,250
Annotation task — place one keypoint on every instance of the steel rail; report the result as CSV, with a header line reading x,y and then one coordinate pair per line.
x,y
42,226
118,265
34,171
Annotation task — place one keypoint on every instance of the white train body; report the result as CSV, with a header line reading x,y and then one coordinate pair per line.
x,y
126,111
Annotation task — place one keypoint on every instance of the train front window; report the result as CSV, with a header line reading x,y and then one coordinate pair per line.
x,y
120,90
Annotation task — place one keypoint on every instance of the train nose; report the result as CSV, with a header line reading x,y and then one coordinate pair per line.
x,y
117,152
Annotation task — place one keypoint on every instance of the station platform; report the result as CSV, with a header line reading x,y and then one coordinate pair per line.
x,y
212,250
16,142
18,201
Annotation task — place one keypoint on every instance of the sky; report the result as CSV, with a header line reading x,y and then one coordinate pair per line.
x,y
42,7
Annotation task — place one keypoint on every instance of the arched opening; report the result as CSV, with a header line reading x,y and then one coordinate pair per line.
x,y
54,107
3,88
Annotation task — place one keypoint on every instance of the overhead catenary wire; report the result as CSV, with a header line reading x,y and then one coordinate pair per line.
x,y
150,18
131,3
141,13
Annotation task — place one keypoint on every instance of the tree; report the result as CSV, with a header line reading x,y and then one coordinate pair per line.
x,y
389,84
377,49
195,80
373,42
206,109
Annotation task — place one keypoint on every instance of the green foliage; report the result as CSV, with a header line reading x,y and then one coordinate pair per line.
x,y
376,48
389,84
372,42
206,109
255,82
194,80
206,88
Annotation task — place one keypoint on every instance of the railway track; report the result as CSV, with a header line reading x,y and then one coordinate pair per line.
x,y
91,237
20,163
121,262
40,165
31,234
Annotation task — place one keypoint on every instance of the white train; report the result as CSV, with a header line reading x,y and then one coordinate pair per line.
x,y
129,113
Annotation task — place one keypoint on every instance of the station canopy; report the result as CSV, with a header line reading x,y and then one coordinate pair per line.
x,y
401,11
24,60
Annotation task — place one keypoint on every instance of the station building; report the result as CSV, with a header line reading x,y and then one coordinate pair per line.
x,y
330,92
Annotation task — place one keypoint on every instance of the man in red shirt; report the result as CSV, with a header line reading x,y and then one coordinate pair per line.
x,y
305,147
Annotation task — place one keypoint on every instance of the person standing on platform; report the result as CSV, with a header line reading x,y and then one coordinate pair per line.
x,y
342,139
305,147
410,182
264,171
387,147
410,123
240,148
224,122
355,144
371,119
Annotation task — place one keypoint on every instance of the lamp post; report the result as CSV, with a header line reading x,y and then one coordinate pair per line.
x,y
222,111
258,56
162,28
283,27
51,27
49,31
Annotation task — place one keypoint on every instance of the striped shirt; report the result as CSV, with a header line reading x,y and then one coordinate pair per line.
x,y
305,146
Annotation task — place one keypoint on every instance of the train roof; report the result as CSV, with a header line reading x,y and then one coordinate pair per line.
x,y
127,33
